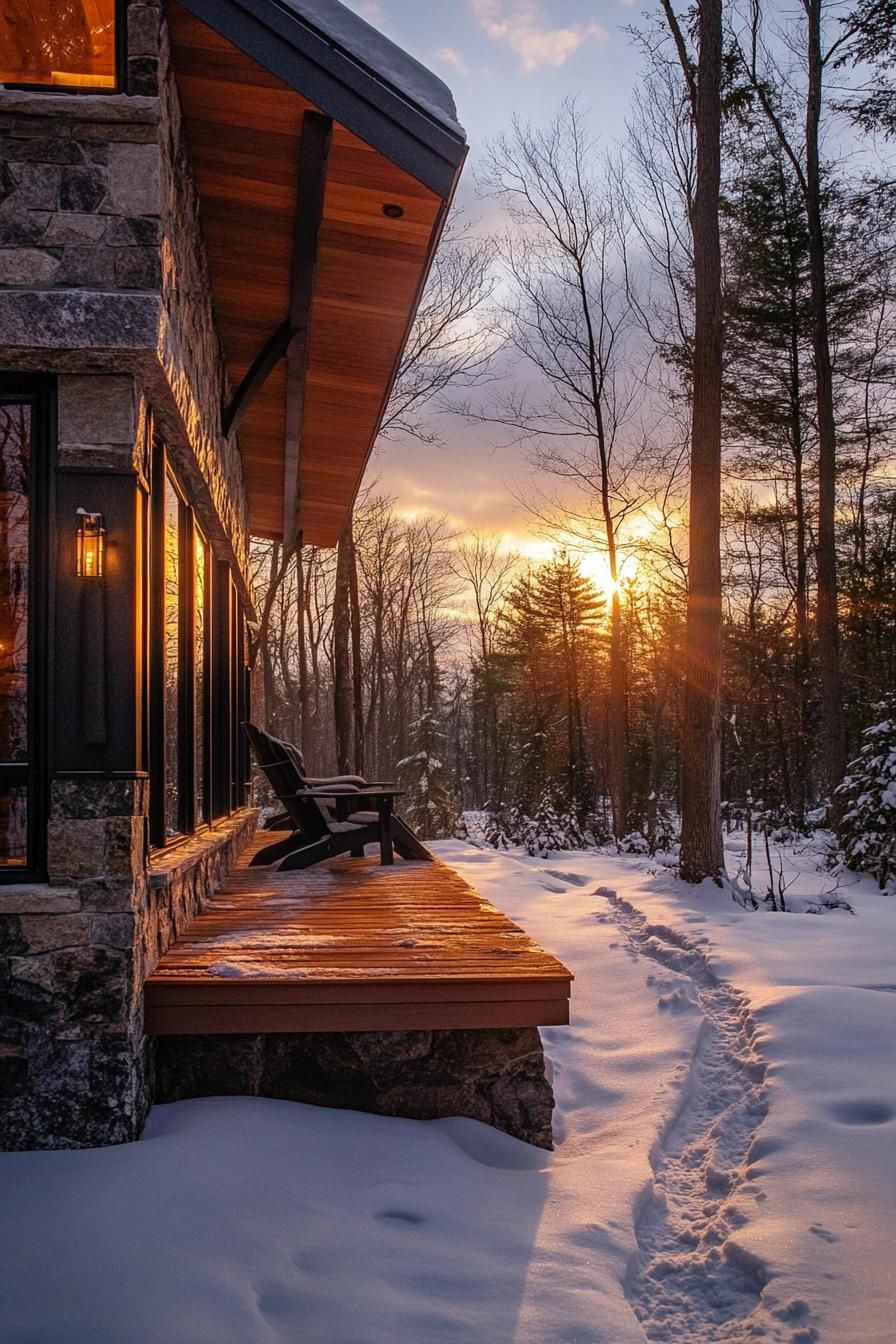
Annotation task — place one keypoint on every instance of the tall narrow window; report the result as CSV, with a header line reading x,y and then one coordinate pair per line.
x,y
15,518
172,660
58,43
200,675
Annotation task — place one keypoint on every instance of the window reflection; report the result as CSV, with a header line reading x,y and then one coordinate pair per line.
x,y
15,474
64,43
172,658
201,562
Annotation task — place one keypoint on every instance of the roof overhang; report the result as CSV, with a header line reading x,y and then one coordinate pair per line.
x,y
297,143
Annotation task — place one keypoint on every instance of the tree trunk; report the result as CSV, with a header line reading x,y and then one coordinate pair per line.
x,y
701,831
302,647
342,662
357,666
616,744
832,726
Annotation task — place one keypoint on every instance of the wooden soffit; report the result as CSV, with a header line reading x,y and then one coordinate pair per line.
x,y
322,404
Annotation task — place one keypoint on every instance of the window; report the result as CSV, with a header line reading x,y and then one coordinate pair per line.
x,y
20,475
197,684
59,43
172,644
200,676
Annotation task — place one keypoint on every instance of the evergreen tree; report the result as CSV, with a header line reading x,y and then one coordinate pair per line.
x,y
868,833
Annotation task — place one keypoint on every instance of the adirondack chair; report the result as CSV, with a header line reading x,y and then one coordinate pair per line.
x,y
325,814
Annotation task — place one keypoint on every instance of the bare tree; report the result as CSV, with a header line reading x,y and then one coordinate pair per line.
x,y
569,318
768,82
485,568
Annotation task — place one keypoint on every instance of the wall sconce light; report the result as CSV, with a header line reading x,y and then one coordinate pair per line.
x,y
91,545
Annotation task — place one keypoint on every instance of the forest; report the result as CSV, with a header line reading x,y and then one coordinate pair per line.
x,y
692,337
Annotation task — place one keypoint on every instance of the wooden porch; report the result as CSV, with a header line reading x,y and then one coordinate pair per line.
x,y
352,946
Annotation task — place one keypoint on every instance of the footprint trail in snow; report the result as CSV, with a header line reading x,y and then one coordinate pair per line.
x,y
691,1282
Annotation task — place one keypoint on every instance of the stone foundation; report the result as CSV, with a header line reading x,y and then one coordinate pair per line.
x,y
495,1075
74,954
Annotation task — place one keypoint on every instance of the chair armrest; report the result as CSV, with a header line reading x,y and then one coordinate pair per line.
x,y
317,782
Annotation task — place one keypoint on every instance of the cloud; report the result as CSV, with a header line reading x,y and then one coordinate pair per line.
x,y
370,10
448,56
520,25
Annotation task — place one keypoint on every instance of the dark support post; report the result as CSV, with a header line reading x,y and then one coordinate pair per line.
x,y
313,151
290,339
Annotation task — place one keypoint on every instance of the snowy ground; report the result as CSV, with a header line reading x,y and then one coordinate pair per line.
x,y
725,1163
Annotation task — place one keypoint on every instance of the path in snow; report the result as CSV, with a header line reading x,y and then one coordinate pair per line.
x,y
690,1282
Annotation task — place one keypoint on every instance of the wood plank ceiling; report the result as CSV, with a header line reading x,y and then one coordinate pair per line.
x,y
243,129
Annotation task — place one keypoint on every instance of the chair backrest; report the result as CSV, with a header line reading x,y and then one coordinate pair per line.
x,y
284,766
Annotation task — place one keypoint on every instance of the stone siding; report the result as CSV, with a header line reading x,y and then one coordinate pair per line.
x,y
497,1075
102,265
74,955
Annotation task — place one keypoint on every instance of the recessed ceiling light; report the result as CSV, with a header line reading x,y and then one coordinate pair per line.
x,y
392,211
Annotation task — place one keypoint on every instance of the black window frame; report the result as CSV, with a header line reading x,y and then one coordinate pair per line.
x,y
224,755
92,90
161,473
39,391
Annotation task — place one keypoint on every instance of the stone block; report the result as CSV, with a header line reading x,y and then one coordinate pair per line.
x,y
37,185
50,933
98,409
76,849
20,227
133,231
40,147
7,183
70,321
13,942
111,894
138,268
38,900
39,108
24,266
134,180
143,30
83,189
143,75
78,985
72,1092
71,227
135,133
117,931
124,853
91,267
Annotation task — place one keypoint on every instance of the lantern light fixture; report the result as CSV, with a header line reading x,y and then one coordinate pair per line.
x,y
90,545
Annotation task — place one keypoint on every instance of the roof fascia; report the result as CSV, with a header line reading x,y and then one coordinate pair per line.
x,y
288,47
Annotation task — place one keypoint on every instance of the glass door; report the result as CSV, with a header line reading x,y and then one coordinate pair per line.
x,y
19,798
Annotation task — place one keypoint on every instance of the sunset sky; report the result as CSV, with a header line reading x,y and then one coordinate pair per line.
x,y
500,57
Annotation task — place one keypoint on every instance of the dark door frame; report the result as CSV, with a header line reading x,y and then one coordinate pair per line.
x,y
39,391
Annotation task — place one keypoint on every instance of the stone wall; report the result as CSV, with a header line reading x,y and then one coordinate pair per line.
x,y
102,264
497,1076
74,955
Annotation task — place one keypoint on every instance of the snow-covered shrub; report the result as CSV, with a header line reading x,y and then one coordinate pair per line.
x,y
634,843
868,828
430,806
552,826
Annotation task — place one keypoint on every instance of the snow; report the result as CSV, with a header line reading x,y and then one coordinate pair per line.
x,y
366,44
723,1172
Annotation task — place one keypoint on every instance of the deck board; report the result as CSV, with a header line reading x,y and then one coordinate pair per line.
x,y
352,946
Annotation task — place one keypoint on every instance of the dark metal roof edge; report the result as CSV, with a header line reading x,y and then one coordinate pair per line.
x,y
340,85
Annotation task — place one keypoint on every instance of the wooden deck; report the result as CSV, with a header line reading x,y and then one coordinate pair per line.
x,y
352,946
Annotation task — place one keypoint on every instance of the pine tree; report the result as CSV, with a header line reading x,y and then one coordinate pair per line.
x,y
430,804
868,827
